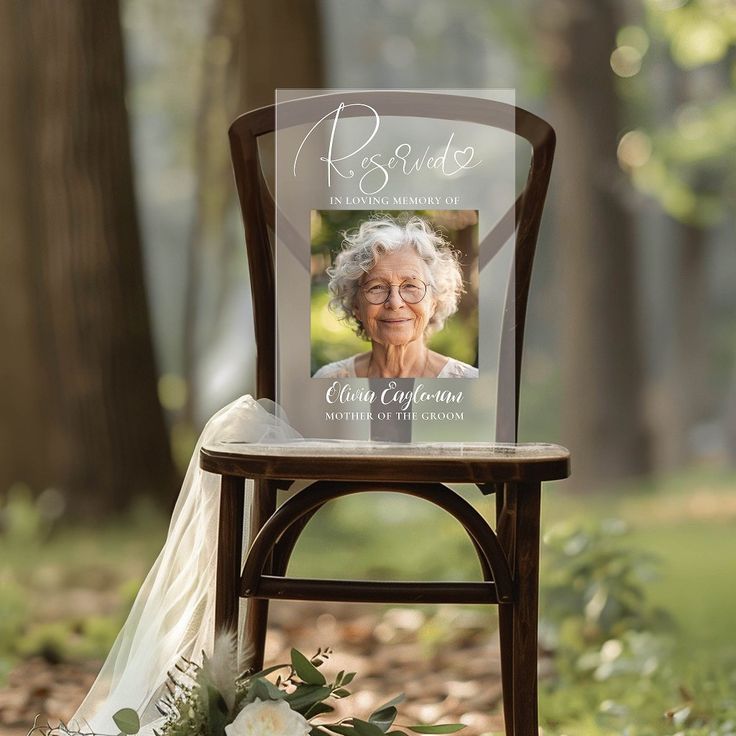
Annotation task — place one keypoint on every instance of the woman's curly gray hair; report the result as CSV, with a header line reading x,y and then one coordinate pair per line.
x,y
363,246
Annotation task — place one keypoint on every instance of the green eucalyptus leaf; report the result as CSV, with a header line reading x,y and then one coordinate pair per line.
x,y
400,698
217,712
341,729
305,696
264,690
261,673
384,717
318,709
305,669
365,728
127,721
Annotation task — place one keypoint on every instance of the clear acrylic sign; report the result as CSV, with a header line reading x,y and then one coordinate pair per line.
x,y
394,239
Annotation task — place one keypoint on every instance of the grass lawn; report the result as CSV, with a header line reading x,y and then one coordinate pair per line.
x,y
689,523
698,583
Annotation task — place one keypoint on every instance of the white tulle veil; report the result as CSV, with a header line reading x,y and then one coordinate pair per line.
x,y
174,612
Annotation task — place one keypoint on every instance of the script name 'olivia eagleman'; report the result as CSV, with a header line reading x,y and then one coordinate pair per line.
x,y
344,393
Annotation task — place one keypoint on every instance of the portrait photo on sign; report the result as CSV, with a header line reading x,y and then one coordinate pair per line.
x,y
394,294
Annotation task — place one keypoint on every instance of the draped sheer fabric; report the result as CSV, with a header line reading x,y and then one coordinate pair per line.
x,y
173,614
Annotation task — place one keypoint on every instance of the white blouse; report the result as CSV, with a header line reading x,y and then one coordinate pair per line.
x,y
346,369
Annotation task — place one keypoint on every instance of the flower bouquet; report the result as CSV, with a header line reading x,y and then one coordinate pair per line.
x,y
291,699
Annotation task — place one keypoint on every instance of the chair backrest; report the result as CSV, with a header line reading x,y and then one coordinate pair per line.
x,y
259,213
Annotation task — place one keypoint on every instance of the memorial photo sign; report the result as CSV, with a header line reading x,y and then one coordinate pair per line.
x,y
394,263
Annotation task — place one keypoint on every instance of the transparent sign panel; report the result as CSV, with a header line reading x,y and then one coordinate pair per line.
x,y
394,240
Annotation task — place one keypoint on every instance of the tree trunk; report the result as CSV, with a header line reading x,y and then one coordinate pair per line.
x,y
28,448
281,48
604,418
87,355
213,195
252,48
686,390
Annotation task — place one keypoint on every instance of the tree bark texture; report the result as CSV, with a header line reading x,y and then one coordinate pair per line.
x,y
687,395
251,49
281,47
603,377
82,356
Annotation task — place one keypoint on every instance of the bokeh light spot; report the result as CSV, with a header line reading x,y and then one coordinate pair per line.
x,y
696,44
626,61
634,149
634,36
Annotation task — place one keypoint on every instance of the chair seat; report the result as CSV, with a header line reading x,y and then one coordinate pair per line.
x,y
456,462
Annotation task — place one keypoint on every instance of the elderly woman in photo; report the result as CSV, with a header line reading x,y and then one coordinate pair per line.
x,y
396,284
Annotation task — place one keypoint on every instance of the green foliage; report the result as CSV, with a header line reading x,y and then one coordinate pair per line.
x,y
13,612
22,521
699,32
201,704
614,655
41,560
691,163
305,669
594,586
331,339
127,721
687,162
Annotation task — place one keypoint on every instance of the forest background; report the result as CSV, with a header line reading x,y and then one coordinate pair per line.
x,y
125,315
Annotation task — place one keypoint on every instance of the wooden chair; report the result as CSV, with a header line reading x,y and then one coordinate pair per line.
x,y
508,556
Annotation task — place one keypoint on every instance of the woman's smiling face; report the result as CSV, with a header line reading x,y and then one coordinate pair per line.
x,y
395,322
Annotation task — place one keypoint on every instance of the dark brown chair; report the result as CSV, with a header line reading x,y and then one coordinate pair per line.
x,y
509,556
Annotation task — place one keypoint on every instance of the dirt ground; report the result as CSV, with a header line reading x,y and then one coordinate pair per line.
x,y
446,663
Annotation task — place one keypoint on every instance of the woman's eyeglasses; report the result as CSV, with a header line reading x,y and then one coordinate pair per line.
x,y
412,291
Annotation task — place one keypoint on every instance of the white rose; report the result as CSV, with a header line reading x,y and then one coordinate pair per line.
x,y
268,718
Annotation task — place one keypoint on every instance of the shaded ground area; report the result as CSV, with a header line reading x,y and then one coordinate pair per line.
x,y
446,661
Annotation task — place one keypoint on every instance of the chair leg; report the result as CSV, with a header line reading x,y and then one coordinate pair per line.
x,y
256,629
229,553
526,578
264,504
505,531
506,641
